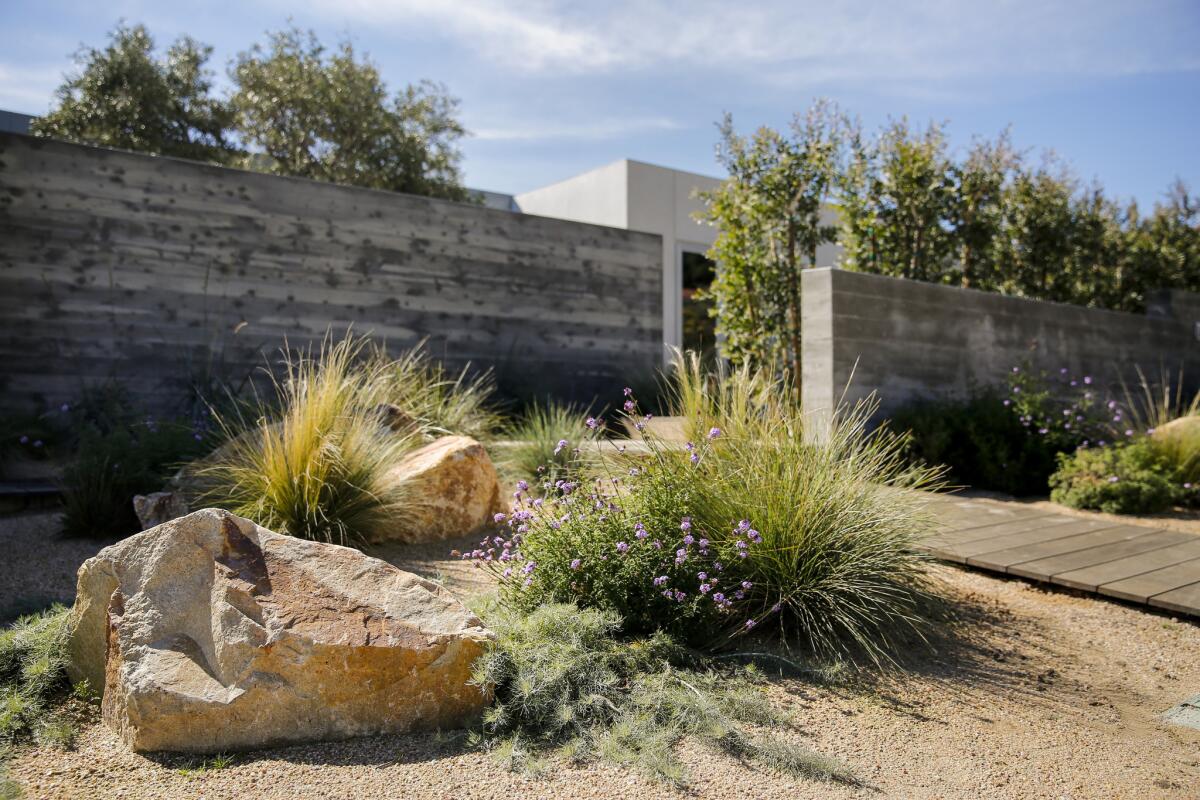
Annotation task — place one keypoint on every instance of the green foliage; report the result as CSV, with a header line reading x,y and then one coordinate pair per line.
x,y
895,196
203,766
768,216
980,441
751,528
317,462
125,96
329,116
1130,478
563,682
33,676
112,465
531,443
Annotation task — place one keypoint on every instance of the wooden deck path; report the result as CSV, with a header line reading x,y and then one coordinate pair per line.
x,y
1138,563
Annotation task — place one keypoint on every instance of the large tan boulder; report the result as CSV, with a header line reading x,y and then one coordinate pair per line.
x,y
209,633
453,489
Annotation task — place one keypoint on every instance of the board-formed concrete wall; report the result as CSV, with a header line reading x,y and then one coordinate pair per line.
x,y
148,270
907,341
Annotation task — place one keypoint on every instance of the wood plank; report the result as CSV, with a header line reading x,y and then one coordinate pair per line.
x,y
1185,599
1014,560
1092,578
1053,565
1027,534
1140,588
994,529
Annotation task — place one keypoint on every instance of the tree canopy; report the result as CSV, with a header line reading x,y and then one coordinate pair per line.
x,y
908,206
125,96
295,108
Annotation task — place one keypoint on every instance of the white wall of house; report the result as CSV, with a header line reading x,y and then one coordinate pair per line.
x,y
644,197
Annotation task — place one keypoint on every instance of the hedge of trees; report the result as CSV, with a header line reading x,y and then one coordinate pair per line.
x,y
991,218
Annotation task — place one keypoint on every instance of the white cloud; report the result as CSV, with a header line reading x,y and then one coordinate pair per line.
x,y
590,130
808,42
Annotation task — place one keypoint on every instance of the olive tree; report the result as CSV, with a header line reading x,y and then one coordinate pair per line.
x,y
328,115
126,96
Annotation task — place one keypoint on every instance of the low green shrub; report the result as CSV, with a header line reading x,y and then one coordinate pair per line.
x,y
747,528
981,442
564,683
1129,478
113,465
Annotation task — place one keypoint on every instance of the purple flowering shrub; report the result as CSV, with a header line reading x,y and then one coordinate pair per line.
x,y
746,527
1068,411
1126,478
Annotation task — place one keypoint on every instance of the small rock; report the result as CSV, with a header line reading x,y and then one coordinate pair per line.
x,y
159,507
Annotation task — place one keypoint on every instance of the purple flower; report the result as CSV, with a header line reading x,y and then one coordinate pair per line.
x,y
741,545
622,547
641,533
1063,371
592,423
657,544
24,440
1016,370
744,525
694,458
704,587
507,573
1113,479
754,536
688,539
1129,433
660,580
628,405
718,597
628,392
714,433
717,566
576,563
1087,379
750,624
529,567
1016,389
746,585
776,607
523,485
641,426
689,447
703,576
1187,486
1007,402
680,595
64,408
703,543
38,442
685,524
561,444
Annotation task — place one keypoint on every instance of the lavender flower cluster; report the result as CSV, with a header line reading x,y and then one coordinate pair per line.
x,y
683,566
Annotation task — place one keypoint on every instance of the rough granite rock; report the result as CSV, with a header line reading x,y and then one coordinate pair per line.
x,y
209,633
454,489
158,507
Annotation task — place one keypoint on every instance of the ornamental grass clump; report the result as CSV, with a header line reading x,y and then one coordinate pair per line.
x,y
566,684
318,461
746,528
538,443
436,401
33,677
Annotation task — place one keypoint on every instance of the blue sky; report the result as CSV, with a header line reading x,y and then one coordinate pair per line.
x,y
553,88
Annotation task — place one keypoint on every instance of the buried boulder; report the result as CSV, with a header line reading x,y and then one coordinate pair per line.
x,y
210,633
453,488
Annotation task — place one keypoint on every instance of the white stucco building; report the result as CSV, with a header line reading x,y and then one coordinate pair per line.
x,y
644,197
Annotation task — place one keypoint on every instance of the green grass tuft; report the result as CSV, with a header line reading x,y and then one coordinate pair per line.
x,y
533,437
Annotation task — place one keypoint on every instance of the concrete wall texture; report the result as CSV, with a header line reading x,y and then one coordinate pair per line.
x,y
906,340
147,270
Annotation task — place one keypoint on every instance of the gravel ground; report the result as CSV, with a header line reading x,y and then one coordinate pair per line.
x,y
1038,694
